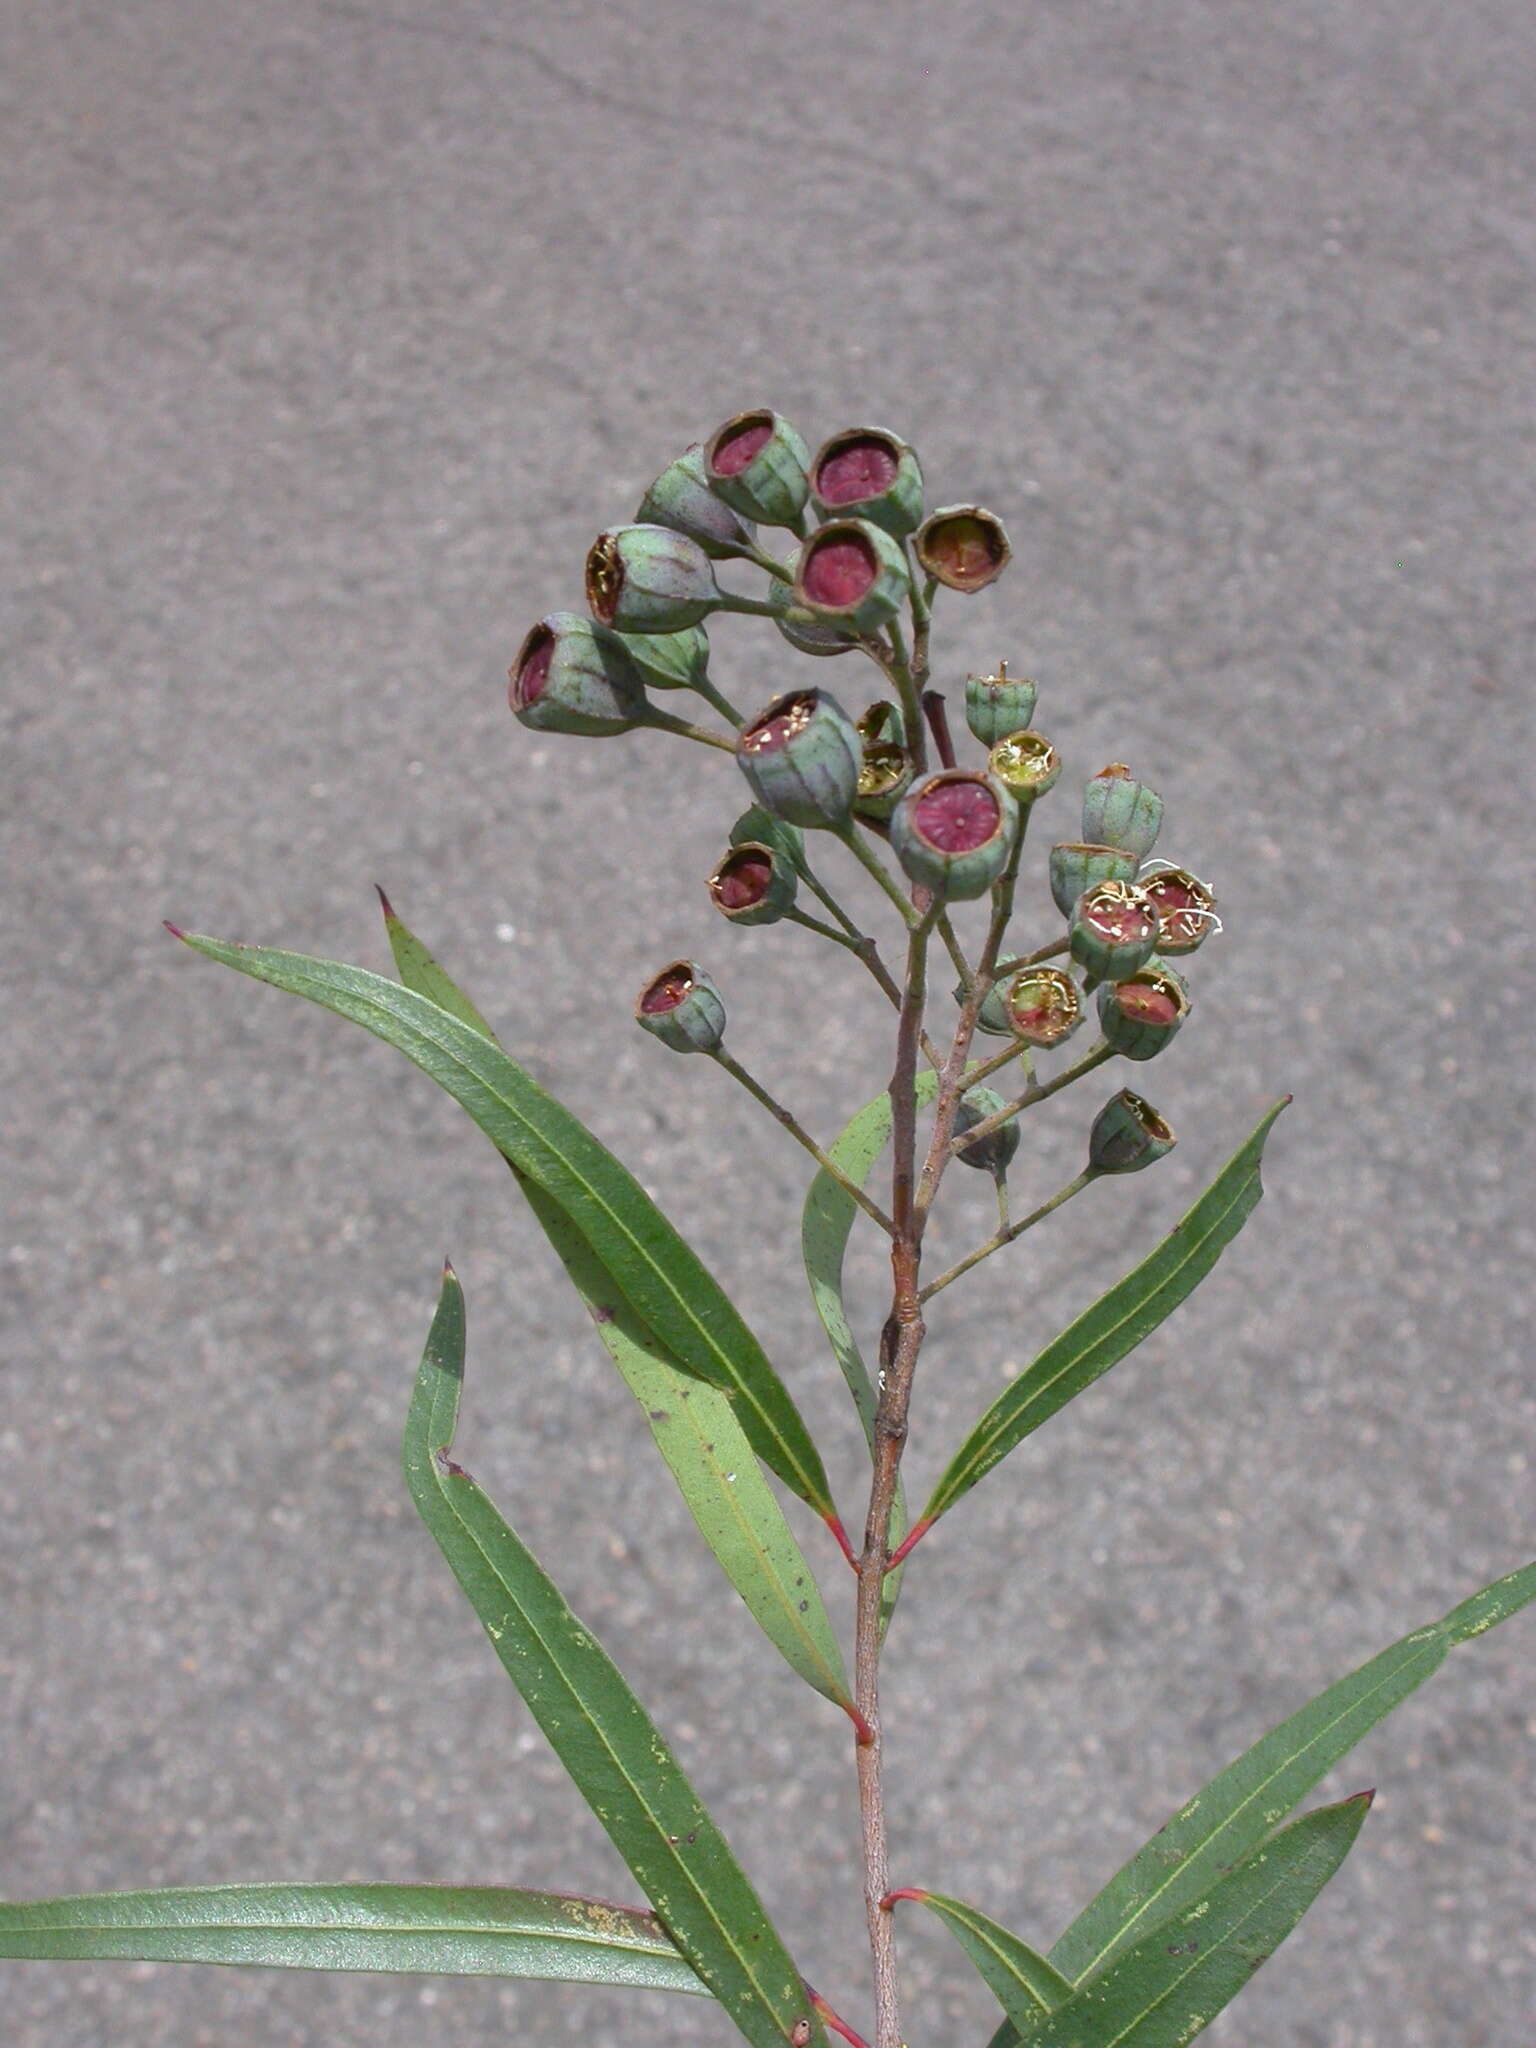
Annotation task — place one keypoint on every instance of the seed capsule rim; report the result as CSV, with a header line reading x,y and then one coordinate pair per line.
x,y
776,898
898,507
922,542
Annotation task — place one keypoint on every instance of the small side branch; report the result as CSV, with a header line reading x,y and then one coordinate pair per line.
x,y
796,1130
1007,1233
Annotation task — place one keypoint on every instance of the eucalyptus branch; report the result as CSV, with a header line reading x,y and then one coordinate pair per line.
x,y
1052,951
1006,1231
668,722
797,1131
956,952
900,1343
994,1064
727,710
865,854
1033,1094
723,1418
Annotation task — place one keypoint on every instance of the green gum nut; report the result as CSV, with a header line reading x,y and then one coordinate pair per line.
x,y
1120,811
867,473
681,498
992,1017
998,706
648,579
1186,909
670,661
997,1148
683,1008
1026,764
852,574
802,758
953,832
1138,1016
1076,867
965,547
1113,931
1127,1135
759,466
572,676
1041,1005
753,884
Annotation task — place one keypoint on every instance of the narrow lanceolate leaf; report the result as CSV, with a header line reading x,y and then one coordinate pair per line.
x,y
462,1931
696,1431
1171,1984
1023,1982
595,1724
1237,1809
694,1424
1116,1323
657,1273
419,970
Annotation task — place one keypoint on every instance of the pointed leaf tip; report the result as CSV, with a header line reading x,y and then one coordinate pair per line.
x,y
385,905
175,930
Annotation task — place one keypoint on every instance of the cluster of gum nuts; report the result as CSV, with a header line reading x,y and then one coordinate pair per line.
x,y
810,765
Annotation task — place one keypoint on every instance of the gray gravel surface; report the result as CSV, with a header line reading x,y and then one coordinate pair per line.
x,y
334,333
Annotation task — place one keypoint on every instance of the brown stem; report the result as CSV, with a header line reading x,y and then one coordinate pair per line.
x,y
899,1346
937,714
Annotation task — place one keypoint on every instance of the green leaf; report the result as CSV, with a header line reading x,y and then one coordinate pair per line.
x,y
694,1424
1116,1323
1237,1809
1174,1981
657,1273
696,1431
418,970
594,1723
462,1931
1023,1983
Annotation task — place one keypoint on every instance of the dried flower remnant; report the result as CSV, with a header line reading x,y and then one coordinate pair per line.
x,y
1186,909
1042,1006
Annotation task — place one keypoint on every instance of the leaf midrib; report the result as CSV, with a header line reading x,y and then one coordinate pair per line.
x,y
1235,1813
1201,1961
599,1728
378,1008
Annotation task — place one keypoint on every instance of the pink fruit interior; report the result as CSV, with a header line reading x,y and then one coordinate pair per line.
x,y
666,991
769,734
855,470
1120,921
1148,1002
744,880
1171,896
740,445
957,816
533,673
840,570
